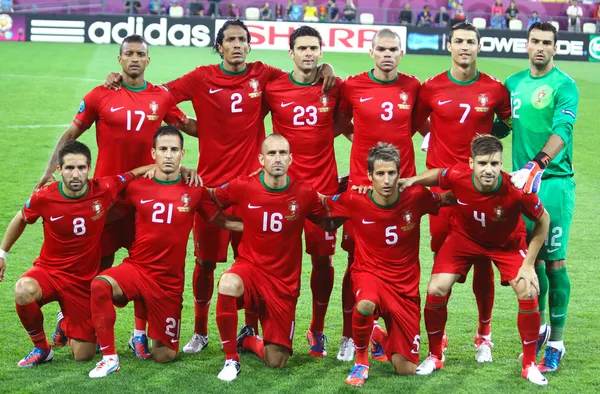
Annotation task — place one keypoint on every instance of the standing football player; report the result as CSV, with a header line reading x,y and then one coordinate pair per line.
x,y
126,121
461,104
381,102
544,105
306,116
74,211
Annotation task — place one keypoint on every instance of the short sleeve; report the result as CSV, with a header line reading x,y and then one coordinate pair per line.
x,y
446,178
429,201
88,110
565,111
272,73
338,205
532,206
207,207
422,109
115,184
185,87
225,195
503,110
32,210
345,107
317,211
176,117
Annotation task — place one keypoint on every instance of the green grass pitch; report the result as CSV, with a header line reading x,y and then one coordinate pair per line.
x,y
42,86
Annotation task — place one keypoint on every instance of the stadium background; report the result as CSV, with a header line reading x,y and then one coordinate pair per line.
x,y
42,85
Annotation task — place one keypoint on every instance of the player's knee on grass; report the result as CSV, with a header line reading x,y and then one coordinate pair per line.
x,y
402,366
27,290
161,353
231,285
366,306
555,265
82,351
276,356
441,284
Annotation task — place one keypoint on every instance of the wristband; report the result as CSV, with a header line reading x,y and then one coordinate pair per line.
x,y
3,254
542,159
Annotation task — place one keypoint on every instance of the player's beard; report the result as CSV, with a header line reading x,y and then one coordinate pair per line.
x,y
75,187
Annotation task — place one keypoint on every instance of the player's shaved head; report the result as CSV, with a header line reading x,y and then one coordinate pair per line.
x,y
74,147
385,33
275,157
273,137
485,145
134,38
167,130
383,152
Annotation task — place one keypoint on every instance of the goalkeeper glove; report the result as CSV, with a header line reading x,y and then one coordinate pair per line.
x,y
529,178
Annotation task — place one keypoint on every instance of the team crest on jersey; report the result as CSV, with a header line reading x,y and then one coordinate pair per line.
x,y
153,107
499,213
98,209
404,98
255,85
293,209
408,219
483,102
324,102
185,200
542,96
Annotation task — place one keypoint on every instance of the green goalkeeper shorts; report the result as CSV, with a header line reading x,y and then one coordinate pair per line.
x,y
558,196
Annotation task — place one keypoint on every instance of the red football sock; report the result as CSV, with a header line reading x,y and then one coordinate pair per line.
x,y
255,345
348,299
227,321
436,314
379,336
528,322
140,315
362,326
33,321
321,284
203,285
104,316
251,319
483,287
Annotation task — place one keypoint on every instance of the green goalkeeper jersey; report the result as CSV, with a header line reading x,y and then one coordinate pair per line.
x,y
542,106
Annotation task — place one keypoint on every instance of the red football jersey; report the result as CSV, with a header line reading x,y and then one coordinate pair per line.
x,y
230,117
273,223
73,226
387,238
458,112
164,215
489,219
126,121
305,117
382,111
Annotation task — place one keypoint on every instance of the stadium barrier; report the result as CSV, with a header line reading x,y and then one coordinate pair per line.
x,y
337,37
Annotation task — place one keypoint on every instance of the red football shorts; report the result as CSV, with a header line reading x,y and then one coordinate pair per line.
x,y
276,311
348,237
211,242
402,315
459,253
118,234
164,307
318,241
439,225
73,297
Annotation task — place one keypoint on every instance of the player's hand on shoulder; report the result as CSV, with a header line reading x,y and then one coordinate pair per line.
x,y
45,180
191,176
404,183
362,189
113,81
150,173
256,172
2,268
328,75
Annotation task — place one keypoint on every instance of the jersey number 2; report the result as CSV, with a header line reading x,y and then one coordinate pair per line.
x,y
159,209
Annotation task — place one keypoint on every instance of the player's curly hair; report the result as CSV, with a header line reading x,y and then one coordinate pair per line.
x,y
483,145
543,26
221,34
383,151
74,147
464,26
305,31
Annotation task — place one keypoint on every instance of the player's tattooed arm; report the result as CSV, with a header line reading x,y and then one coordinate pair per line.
x,y
527,270
71,133
447,199
427,178
13,232
190,127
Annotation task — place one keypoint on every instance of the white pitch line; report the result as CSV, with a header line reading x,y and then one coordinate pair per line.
x,y
50,77
34,126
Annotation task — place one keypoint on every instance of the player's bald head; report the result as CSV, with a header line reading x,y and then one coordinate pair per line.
x,y
274,139
385,33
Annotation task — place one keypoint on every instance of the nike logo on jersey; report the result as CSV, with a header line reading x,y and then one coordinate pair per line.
x,y
145,201
367,222
254,206
174,340
552,250
113,109
440,102
283,105
529,342
460,202
213,91
362,100
53,219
